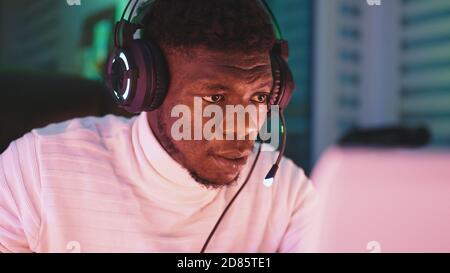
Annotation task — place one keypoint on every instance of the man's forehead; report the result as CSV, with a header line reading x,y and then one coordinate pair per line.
x,y
226,58
244,62
238,64
206,65
226,76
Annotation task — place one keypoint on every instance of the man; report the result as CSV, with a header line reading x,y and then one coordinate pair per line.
x,y
115,184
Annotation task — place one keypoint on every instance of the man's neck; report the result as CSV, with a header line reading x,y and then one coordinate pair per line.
x,y
158,131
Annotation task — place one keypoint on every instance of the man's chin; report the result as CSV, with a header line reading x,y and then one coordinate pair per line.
x,y
223,180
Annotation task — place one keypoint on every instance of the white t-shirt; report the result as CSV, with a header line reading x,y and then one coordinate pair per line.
x,y
107,185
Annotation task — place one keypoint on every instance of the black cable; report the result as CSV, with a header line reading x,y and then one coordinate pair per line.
x,y
231,202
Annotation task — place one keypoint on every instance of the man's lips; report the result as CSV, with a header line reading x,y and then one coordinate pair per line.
x,y
235,161
235,158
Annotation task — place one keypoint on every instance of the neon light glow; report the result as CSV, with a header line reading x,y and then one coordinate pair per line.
x,y
268,182
127,90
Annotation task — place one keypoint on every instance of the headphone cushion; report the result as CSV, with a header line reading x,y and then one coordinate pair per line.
x,y
283,82
157,73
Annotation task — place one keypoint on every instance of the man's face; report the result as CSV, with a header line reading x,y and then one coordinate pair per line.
x,y
217,78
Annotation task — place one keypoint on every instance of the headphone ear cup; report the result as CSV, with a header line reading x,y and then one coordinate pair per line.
x,y
140,76
283,82
158,75
153,81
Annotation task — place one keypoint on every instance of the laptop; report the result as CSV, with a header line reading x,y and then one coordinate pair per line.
x,y
383,200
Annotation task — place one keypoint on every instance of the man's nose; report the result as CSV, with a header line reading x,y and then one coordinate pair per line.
x,y
240,125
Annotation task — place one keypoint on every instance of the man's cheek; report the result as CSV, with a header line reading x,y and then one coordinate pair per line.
x,y
186,123
261,116
193,149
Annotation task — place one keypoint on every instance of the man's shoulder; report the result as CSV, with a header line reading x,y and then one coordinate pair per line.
x,y
85,127
82,137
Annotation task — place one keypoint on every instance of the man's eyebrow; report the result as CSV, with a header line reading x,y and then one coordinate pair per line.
x,y
211,85
216,86
224,87
265,84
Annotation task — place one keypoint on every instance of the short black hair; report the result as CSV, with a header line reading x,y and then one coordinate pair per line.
x,y
224,25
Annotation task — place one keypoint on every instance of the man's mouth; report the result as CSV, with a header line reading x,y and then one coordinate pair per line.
x,y
231,158
226,160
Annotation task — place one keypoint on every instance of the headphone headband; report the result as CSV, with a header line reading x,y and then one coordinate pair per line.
x,y
148,4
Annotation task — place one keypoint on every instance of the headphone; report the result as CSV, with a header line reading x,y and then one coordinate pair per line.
x,y
138,79
138,76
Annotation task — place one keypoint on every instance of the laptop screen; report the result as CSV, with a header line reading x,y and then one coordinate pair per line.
x,y
383,200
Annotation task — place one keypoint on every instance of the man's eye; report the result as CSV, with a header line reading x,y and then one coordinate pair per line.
x,y
260,98
214,98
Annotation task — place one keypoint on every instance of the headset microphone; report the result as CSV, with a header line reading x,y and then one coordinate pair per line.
x,y
268,180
